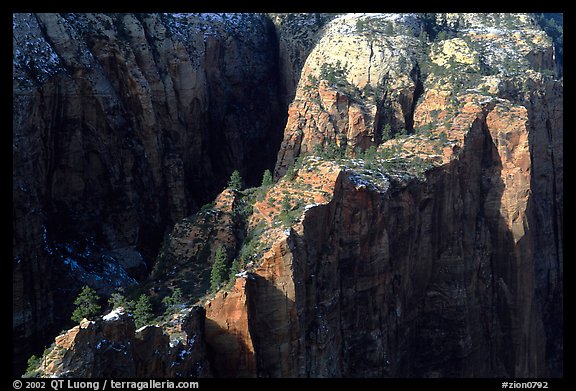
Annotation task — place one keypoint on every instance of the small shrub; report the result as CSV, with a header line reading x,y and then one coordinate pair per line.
x,y
443,138
385,133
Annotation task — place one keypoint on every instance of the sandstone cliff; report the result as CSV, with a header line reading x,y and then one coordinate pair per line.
x,y
111,347
123,125
421,260
415,226
396,276
363,81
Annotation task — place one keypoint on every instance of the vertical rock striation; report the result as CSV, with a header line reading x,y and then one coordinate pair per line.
x,y
455,272
434,277
123,125
415,227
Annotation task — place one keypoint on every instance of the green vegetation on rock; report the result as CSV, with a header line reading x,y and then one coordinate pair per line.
x,y
267,179
235,182
143,311
219,273
86,305
33,367
173,301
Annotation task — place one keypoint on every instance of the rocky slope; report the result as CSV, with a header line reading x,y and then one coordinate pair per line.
x,y
112,347
415,228
123,125
297,34
425,261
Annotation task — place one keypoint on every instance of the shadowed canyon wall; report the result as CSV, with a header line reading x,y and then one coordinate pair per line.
x,y
414,227
123,125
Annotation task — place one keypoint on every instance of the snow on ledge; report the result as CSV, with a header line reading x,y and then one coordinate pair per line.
x,y
114,314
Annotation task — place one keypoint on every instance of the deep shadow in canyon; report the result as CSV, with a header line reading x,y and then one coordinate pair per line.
x,y
124,141
426,280
457,273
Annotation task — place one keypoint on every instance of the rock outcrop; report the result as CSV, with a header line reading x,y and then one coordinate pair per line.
x,y
415,225
358,77
430,261
405,277
188,252
362,82
123,125
112,347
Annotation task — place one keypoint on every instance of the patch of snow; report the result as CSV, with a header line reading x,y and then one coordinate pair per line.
x,y
174,342
310,206
31,51
142,328
359,182
74,266
99,345
114,314
183,353
346,24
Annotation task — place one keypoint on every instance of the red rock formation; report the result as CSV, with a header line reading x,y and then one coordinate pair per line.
x,y
439,257
111,347
227,333
430,278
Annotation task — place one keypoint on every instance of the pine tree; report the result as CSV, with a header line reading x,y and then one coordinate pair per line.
x,y
32,369
171,302
86,304
235,268
386,132
267,178
219,269
118,300
142,311
235,181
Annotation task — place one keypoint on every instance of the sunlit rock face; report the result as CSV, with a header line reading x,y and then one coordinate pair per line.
x,y
414,227
112,347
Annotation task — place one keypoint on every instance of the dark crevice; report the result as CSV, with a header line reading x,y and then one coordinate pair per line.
x,y
416,76
554,216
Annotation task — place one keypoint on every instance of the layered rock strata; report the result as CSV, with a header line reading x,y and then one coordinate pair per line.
x,y
433,274
396,276
111,347
415,228
123,125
